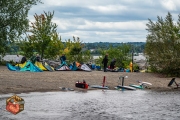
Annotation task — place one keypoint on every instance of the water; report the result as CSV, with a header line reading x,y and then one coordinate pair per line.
x,y
96,105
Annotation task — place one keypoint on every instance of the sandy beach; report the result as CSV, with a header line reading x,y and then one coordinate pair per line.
x,y
20,82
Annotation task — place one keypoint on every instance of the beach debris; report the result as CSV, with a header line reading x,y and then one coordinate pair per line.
x,y
66,89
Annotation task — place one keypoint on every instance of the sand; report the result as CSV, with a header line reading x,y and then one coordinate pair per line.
x,y
23,82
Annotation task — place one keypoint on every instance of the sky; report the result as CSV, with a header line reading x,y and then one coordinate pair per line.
x,y
105,20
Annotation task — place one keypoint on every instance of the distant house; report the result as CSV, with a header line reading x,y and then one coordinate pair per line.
x,y
96,57
139,57
92,50
140,60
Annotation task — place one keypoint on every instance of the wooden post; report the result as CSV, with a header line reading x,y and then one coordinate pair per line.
x,y
122,81
104,81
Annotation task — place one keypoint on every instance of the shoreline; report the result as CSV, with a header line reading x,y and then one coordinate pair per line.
x,y
25,82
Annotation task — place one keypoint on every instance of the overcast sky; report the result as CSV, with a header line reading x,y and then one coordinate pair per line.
x,y
105,20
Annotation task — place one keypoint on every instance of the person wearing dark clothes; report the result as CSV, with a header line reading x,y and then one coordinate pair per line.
x,y
63,58
113,62
38,58
23,60
105,62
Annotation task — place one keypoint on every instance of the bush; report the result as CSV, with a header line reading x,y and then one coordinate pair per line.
x,y
3,63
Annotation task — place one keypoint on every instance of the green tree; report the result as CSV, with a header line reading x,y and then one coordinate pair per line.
x,y
43,33
55,47
120,53
27,47
163,45
14,21
76,52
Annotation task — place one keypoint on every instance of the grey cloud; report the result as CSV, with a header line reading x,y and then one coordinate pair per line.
x,y
67,12
136,10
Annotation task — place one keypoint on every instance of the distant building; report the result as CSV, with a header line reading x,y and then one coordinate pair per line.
x,y
92,50
141,60
96,57
139,57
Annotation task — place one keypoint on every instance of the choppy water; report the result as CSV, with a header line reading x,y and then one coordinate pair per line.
x,y
97,105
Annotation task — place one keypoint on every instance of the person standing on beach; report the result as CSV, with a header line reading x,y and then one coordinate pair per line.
x,y
113,62
63,58
38,58
105,62
23,60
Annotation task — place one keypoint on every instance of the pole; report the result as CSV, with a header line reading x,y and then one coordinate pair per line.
x,y
104,81
132,59
122,81
147,64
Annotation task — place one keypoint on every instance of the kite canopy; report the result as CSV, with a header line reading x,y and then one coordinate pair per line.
x,y
21,65
77,66
85,68
40,65
28,67
63,67
44,66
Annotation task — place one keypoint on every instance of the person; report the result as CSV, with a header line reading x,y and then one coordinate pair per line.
x,y
23,60
63,58
105,62
38,58
113,62
137,69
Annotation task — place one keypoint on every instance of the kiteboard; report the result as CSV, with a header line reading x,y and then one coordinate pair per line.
x,y
172,81
137,86
125,87
141,85
144,83
122,84
99,87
